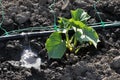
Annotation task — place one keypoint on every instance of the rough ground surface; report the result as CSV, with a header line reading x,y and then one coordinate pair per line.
x,y
90,64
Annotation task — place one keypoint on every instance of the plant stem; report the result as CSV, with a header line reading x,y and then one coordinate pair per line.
x,y
67,36
75,41
68,42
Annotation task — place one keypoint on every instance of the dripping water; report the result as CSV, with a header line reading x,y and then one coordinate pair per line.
x,y
29,58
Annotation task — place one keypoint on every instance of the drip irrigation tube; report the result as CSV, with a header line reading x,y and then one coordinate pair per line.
x,y
47,33
107,25
23,35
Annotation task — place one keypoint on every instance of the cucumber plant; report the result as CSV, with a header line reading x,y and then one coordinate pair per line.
x,y
56,45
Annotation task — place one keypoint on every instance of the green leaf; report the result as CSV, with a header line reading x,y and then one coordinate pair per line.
x,y
63,22
84,33
77,24
64,25
80,15
55,46
88,34
91,35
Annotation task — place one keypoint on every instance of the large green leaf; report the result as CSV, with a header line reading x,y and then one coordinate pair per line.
x,y
55,46
84,33
91,35
87,34
80,15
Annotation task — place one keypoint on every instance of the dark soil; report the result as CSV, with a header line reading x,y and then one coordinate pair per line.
x,y
102,63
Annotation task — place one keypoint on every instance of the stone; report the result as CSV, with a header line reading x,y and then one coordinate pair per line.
x,y
22,17
42,2
13,8
23,8
8,21
13,50
115,64
113,77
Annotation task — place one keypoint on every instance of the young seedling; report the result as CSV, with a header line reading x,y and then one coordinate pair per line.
x,y
56,45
